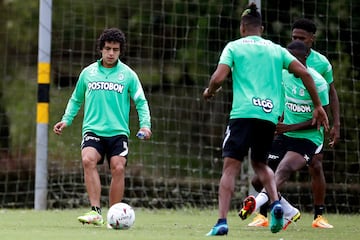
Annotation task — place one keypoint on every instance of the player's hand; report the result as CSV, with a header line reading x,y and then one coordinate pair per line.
x,y
145,133
207,95
320,118
334,136
281,128
58,127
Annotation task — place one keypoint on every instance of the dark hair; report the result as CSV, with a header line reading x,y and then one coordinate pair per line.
x,y
298,45
304,24
251,16
112,35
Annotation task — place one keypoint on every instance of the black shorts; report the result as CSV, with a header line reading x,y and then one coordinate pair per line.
x,y
106,146
244,133
282,144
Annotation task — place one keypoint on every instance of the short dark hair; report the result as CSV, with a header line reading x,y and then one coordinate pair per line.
x,y
299,46
112,35
251,16
304,24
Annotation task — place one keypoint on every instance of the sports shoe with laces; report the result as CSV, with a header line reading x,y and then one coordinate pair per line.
x,y
259,221
276,220
91,217
249,205
321,222
218,230
291,218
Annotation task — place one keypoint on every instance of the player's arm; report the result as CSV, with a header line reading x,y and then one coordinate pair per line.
x,y
142,107
73,106
282,127
335,111
319,114
216,80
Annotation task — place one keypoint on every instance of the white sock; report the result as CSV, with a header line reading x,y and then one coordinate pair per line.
x,y
261,199
287,207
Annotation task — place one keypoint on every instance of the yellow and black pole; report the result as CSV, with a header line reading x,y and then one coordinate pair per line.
x,y
42,115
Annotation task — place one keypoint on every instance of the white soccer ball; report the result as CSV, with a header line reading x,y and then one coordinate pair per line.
x,y
120,216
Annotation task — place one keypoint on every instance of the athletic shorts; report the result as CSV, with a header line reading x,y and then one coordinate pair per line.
x,y
244,133
282,144
106,146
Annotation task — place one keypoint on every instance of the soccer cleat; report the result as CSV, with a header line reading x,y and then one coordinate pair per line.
x,y
293,217
249,205
219,230
321,222
91,217
276,220
259,221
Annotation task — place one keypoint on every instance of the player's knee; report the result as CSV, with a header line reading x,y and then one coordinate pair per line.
x,y
316,165
88,162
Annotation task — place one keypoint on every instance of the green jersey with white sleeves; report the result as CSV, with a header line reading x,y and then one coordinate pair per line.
x,y
299,106
256,66
106,94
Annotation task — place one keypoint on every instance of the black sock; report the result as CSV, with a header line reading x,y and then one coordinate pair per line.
x,y
319,210
96,209
263,209
221,221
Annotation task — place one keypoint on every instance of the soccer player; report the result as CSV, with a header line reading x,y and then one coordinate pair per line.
x,y
292,150
106,87
304,30
256,66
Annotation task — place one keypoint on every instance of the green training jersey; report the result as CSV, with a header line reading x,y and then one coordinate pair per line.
x,y
256,65
106,94
299,106
321,64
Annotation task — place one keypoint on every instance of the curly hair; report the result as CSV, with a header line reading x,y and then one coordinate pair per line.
x,y
304,24
112,35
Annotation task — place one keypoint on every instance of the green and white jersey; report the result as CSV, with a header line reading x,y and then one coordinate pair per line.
x,y
321,64
106,93
256,65
299,106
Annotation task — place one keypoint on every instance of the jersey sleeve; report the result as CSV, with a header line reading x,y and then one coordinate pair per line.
x,y
226,56
141,103
288,58
76,100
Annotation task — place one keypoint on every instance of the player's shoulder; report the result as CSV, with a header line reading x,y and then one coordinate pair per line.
x,y
315,55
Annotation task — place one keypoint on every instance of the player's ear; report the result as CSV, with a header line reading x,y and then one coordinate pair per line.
x,y
262,29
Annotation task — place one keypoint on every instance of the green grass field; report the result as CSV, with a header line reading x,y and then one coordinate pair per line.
x,y
163,225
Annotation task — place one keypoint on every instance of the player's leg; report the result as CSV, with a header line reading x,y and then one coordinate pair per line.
x,y
291,163
260,220
262,138
230,172
90,157
118,151
318,184
235,147
117,185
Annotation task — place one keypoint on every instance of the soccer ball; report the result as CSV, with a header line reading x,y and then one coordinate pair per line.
x,y
120,216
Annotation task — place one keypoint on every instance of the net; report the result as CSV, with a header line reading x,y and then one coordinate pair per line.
x,y
174,46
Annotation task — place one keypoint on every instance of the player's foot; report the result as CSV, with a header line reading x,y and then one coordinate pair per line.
x,y
276,220
249,205
91,217
321,222
218,230
291,217
259,221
